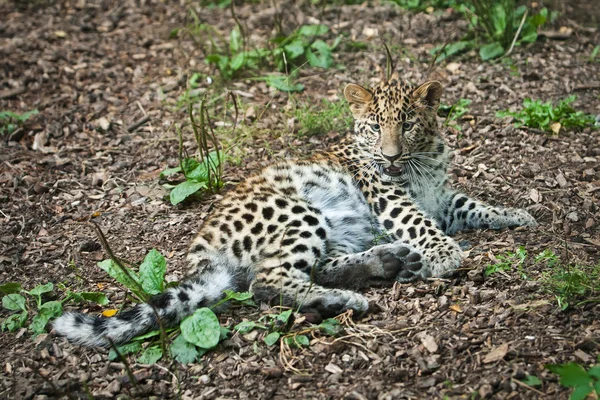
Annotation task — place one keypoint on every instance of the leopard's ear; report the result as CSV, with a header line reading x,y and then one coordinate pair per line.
x,y
429,93
358,97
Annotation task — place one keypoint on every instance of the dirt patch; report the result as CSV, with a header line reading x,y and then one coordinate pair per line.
x,y
95,69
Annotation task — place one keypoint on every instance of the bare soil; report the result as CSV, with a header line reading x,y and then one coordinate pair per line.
x,y
84,64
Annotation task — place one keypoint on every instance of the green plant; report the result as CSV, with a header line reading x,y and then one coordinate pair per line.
x,y
454,112
34,305
507,261
326,117
204,172
594,54
584,382
496,27
547,117
10,121
570,284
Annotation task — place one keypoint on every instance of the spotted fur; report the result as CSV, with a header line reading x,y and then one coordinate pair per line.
x,y
309,234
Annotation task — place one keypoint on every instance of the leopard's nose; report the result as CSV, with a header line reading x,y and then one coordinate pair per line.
x,y
391,159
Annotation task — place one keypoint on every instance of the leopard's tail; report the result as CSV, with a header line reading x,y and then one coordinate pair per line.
x,y
171,306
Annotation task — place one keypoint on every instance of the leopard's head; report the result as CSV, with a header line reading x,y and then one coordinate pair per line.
x,y
396,123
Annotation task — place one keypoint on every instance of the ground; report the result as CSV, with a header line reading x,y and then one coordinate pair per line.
x,y
94,68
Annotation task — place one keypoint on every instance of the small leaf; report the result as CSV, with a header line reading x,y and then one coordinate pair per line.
x,y
331,326
95,297
272,338
185,190
41,289
147,335
183,351
294,49
490,51
297,341
283,83
581,392
238,296
235,41
14,302
130,279
202,328
10,287
124,350
319,55
170,171
150,356
284,317
109,313
595,371
532,380
312,30
14,322
247,326
152,272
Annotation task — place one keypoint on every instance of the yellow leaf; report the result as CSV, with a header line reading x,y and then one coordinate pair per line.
x,y
555,127
60,34
96,214
456,308
109,313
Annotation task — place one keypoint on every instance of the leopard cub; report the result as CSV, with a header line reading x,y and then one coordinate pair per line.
x,y
376,209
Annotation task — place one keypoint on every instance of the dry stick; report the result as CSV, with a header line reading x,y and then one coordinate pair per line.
x,y
144,297
436,57
125,362
389,61
518,382
138,123
512,45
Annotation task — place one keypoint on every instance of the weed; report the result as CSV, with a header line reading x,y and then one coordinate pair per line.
x,y
327,117
549,118
503,25
507,261
10,121
569,283
33,304
584,382
594,54
454,112
204,172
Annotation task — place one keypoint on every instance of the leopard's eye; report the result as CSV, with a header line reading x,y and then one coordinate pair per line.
x,y
407,126
375,127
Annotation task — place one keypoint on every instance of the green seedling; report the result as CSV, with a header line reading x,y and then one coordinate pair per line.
x,y
454,112
507,262
10,121
549,118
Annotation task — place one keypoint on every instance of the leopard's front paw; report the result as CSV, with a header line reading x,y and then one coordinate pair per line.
x,y
399,260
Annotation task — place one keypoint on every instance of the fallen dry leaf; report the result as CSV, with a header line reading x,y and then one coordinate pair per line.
x,y
496,354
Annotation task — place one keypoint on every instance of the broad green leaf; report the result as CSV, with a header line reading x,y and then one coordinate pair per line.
x,y
150,356
202,328
283,83
10,287
14,322
185,190
532,380
170,171
595,371
492,50
235,41
183,351
247,326
238,296
95,297
312,30
319,55
272,338
284,317
14,302
297,341
128,348
294,49
130,280
528,33
330,326
571,374
152,272
47,310
238,61
41,289
581,392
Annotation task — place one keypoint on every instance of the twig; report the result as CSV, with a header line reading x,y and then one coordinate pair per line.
x,y
512,45
590,86
7,94
138,123
125,363
518,382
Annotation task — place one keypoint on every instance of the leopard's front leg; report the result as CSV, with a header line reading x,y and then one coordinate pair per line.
x,y
404,222
463,212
